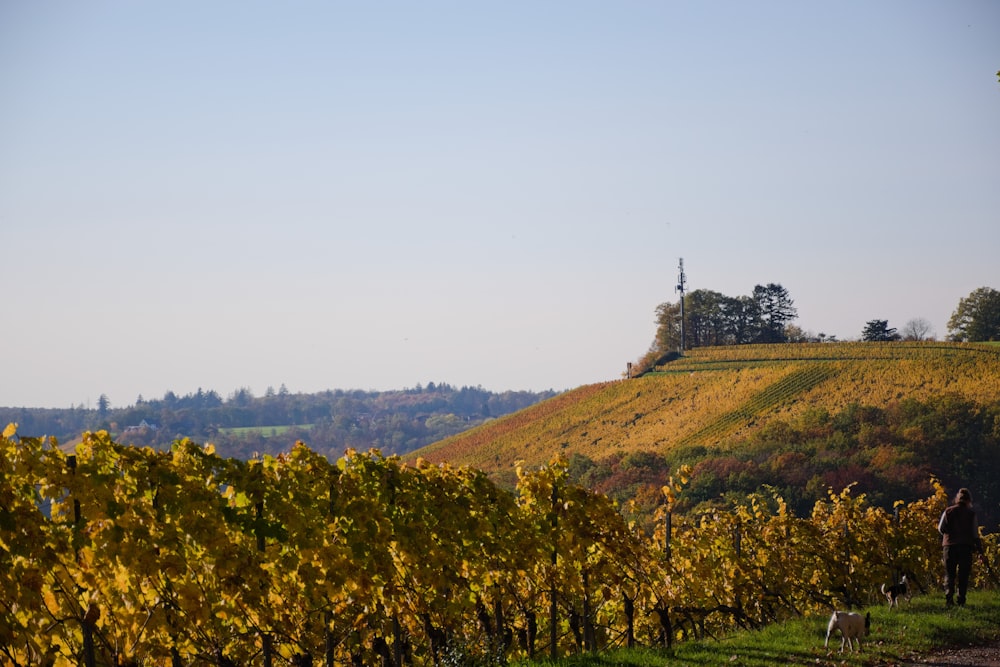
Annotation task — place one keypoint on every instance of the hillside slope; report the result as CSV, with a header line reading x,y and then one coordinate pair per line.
x,y
712,395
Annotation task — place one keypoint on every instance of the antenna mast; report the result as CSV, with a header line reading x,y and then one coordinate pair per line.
x,y
681,279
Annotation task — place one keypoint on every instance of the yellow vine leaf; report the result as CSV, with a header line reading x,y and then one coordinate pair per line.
x,y
50,601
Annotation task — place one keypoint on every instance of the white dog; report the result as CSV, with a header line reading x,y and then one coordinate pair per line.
x,y
852,628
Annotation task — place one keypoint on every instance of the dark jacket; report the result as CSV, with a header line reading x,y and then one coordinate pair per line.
x,y
958,525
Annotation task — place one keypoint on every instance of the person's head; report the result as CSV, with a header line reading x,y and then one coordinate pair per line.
x,y
963,496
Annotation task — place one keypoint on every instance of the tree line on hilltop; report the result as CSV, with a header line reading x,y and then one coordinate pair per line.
x,y
241,425
708,318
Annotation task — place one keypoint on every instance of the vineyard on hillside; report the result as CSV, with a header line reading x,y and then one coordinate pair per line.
x,y
117,555
716,394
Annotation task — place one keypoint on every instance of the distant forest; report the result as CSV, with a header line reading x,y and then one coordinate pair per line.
x,y
329,422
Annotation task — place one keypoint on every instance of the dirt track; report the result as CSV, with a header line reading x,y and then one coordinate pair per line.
x,y
987,655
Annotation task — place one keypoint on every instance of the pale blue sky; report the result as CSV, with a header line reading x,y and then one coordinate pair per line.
x,y
376,195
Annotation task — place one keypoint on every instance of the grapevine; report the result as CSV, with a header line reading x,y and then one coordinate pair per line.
x,y
117,554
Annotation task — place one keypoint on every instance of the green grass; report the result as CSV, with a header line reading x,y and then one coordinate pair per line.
x,y
265,431
898,635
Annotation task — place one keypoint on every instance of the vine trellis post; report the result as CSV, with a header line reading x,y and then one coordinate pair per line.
x,y
896,573
266,639
848,594
667,530
90,617
553,638
330,643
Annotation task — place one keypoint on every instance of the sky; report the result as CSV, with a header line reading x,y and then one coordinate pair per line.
x,y
379,195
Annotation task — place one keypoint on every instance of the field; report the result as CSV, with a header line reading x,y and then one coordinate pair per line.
x,y
923,632
264,431
711,395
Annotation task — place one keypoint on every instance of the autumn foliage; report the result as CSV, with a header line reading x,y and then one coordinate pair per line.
x,y
715,394
121,555
798,418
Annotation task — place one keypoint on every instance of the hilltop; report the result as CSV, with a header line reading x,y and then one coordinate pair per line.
x,y
751,404
714,394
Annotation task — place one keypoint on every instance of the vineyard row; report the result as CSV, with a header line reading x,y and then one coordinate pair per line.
x,y
118,555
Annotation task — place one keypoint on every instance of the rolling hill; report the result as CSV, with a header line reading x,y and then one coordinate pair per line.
x,y
716,395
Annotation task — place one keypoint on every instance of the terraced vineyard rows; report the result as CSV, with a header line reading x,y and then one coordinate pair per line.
x,y
712,394
782,391
701,358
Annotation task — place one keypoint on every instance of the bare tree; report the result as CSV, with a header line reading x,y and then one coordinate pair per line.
x,y
918,329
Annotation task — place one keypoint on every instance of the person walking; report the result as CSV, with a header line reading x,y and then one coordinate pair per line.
x,y
959,540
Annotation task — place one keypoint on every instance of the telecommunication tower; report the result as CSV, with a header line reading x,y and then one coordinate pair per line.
x,y
681,279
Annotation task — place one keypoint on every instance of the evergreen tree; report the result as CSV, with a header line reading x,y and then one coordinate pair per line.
x,y
775,309
878,330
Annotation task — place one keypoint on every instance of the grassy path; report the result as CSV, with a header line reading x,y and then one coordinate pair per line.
x,y
923,632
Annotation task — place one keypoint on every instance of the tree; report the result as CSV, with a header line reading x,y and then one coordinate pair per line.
x,y
667,340
668,328
795,334
918,329
775,309
713,318
103,403
741,314
878,330
977,317
706,322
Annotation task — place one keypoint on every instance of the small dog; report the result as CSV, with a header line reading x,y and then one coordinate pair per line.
x,y
893,592
852,628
